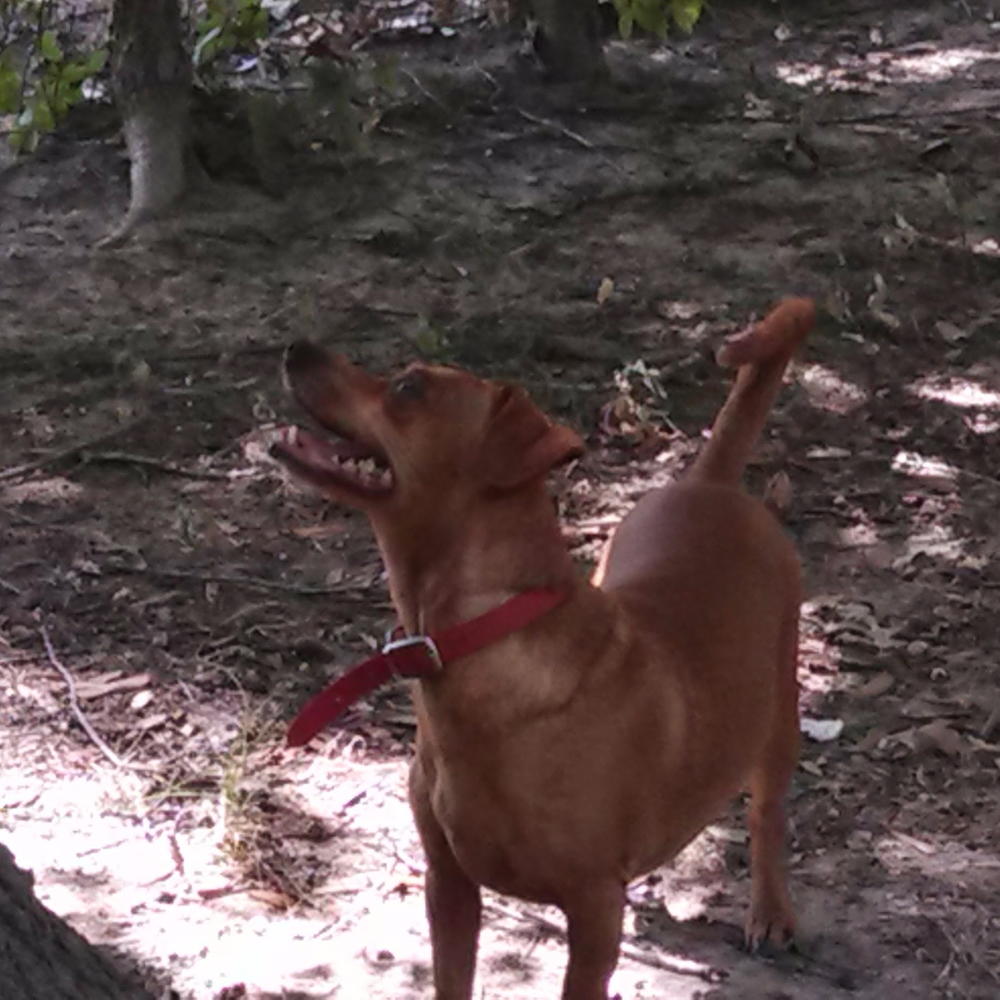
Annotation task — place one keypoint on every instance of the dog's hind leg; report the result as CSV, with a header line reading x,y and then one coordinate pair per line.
x,y
771,920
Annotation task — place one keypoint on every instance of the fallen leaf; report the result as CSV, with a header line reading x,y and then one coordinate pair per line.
x,y
327,530
938,735
821,730
828,452
876,686
141,700
877,301
276,900
778,492
950,333
605,290
98,688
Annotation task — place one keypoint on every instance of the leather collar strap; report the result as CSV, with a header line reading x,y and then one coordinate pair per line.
x,y
419,656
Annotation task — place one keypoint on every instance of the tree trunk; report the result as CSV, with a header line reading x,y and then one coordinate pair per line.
x,y
151,75
568,39
42,957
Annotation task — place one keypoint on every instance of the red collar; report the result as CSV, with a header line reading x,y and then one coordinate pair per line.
x,y
419,656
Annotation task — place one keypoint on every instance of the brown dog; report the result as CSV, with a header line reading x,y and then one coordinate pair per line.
x,y
586,748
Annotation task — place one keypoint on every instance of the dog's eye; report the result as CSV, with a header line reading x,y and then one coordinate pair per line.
x,y
408,386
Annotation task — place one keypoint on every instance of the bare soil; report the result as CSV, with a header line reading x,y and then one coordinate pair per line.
x,y
194,599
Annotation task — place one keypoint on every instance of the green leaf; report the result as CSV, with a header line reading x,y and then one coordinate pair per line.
x,y
10,89
96,60
74,72
686,13
49,47
626,22
42,117
651,16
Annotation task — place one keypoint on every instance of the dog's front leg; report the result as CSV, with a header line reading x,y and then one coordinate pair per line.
x,y
454,905
594,925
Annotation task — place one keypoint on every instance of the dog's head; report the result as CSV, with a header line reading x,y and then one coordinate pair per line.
x,y
431,433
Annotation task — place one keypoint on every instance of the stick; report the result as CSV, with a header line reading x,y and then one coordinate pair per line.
x,y
17,471
679,966
556,127
155,463
74,704
252,582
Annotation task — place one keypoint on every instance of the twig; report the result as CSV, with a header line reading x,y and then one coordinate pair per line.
x,y
17,471
678,966
423,90
251,582
159,464
74,704
556,127
9,587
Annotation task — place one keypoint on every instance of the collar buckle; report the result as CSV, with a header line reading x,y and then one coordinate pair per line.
x,y
405,665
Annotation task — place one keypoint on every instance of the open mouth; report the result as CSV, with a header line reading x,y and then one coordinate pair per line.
x,y
339,463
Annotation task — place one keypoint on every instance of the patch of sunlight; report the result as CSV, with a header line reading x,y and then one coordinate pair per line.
x,y
979,423
854,72
828,390
911,463
819,657
960,392
938,543
50,490
899,853
988,247
857,536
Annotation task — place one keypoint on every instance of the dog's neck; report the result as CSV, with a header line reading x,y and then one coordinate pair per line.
x,y
450,566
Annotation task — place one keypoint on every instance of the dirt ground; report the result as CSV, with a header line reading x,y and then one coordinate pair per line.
x,y
194,599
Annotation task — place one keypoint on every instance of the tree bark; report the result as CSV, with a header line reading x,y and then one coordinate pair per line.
x,y
151,77
568,39
42,957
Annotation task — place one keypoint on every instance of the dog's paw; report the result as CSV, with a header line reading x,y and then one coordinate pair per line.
x,y
770,929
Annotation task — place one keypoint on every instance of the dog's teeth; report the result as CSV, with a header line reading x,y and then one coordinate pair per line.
x,y
292,436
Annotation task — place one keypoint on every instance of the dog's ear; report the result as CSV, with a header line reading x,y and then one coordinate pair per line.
x,y
522,444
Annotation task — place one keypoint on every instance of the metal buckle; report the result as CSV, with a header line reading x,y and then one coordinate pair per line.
x,y
430,647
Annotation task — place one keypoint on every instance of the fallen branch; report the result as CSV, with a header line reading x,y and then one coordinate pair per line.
x,y
17,471
74,704
678,966
251,582
146,461
557,128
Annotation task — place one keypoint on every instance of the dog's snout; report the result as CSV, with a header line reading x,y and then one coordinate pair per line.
x,y
303,356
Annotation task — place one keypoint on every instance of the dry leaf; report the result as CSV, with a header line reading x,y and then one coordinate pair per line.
x,y
828,452
276,900
950,333
877,301
778,492
938,735
605,290
98,688
327,530
877,686
821,730
141,700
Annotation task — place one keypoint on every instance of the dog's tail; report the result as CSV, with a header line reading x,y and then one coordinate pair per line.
x,y
761,353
